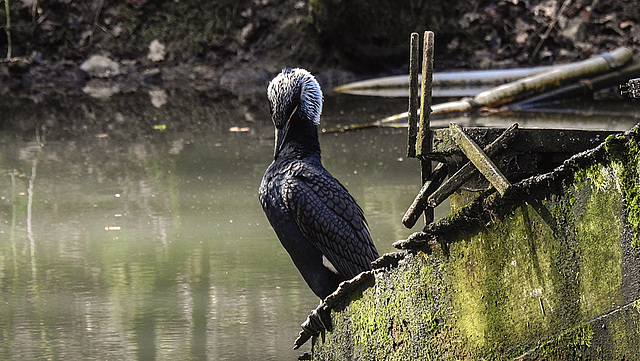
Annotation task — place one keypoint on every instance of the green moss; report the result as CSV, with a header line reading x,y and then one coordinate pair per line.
x,y
501,284
525,280
571,345
594,174
548,264
600,250
395,320
612,336
619,335
624,333
625,153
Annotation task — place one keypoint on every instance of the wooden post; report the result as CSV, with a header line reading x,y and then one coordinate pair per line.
x,y
413,96
424,135
435,191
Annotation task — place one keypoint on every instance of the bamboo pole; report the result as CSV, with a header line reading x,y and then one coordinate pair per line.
x,y
413,97
479,159
449,79
465,105
537,84
583,88
530,86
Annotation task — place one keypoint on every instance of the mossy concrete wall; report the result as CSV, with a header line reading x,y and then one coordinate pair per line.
x,y
555,276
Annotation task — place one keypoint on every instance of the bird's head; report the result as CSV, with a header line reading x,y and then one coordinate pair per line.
x,y
294,95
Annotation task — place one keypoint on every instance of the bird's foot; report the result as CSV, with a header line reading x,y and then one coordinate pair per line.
x,y
316,324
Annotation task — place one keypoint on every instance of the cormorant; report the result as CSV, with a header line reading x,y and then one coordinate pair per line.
x,y
316,219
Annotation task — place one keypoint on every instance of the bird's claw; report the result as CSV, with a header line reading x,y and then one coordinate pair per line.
x,y
317,323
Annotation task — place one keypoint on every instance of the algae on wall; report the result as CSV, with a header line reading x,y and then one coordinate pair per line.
x,y
553,275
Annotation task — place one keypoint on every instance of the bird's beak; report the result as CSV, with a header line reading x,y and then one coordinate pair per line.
x,y
281,133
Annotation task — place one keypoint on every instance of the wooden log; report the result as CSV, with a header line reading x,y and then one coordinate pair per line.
x,y
413,97
479,159
466,171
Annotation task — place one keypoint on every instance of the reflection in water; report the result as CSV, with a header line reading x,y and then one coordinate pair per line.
x,y
154,249
158,249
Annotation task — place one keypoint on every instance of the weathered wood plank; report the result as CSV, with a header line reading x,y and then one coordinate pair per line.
x,y
479,159
529,140
413,97
466,171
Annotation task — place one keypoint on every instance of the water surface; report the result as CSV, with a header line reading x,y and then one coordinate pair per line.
x,y
117,246
155,247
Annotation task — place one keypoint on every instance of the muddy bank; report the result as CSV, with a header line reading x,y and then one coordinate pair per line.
x,y
232,48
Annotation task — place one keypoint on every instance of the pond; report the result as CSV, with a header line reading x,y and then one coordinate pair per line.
x,y
155,247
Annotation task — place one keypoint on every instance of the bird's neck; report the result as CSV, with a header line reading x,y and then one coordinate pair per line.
x,y
302,141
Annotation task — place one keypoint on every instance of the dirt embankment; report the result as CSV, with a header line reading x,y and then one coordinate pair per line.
x,y
232,48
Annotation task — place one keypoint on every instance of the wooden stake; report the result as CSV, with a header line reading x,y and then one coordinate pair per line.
x,y
424,135
479,159
420,202
413,96
424,130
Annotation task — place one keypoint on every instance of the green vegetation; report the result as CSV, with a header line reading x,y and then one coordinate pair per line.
x,y
570,345
544,282
599,228
625,154
398,320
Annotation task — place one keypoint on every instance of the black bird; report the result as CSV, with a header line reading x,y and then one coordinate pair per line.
x,y
316,219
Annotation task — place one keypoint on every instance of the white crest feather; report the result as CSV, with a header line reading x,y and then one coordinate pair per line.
x,y
289,84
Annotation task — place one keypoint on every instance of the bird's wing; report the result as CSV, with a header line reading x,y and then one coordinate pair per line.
x,y
331,219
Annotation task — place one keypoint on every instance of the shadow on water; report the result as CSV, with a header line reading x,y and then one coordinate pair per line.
x,y
134,232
